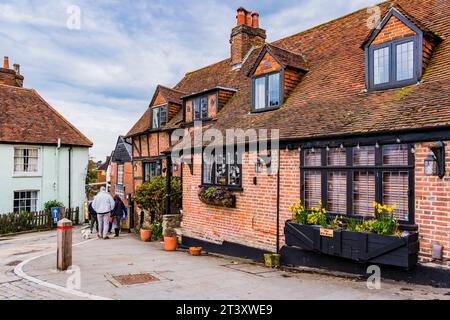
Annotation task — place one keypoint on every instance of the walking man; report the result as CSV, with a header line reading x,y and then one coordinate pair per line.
x,y
103,204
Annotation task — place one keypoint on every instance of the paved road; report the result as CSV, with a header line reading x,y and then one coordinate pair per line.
x,y
176,275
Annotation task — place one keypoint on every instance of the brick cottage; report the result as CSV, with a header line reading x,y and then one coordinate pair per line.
x,y
363,114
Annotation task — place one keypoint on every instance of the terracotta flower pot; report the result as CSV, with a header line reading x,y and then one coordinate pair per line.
x,y
195,251
146,235
170,243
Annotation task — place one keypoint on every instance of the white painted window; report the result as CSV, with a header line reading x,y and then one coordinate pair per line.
x,y
26,160
26,200
120,174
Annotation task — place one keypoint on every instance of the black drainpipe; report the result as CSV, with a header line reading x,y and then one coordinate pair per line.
x,y
70,177
278,202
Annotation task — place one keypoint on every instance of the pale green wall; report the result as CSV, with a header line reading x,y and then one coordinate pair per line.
x,y
52,182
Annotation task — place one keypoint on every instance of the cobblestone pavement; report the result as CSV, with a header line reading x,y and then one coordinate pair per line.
x,y
178,275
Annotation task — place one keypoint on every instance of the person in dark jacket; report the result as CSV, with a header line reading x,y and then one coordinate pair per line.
x,y
118,211
92,217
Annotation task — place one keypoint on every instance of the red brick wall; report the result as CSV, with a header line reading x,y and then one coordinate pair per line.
x,y
394,29
432,205
253,221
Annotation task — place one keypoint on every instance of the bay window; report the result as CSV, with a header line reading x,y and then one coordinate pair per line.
x,y
347,180
267,93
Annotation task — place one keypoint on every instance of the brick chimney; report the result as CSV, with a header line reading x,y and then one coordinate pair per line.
x,y
10,77
245,35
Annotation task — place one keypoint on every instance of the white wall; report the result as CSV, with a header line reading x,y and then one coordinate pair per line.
x,y
52,179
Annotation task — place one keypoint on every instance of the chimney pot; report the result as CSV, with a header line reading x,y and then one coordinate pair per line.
x,y
255,20
16,68
240,17
249,19
5,62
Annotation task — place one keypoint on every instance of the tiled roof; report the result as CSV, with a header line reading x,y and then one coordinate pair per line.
x,y
123,150
331,99
288,58
144,123
27,118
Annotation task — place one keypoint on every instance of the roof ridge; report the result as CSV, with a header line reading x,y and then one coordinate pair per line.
x,y
60,116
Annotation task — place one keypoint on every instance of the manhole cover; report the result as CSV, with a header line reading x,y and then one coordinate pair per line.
x,y
13,263
131,279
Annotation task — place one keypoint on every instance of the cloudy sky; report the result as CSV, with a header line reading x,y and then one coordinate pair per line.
x,y
102,75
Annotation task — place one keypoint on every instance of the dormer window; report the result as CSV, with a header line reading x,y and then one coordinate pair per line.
x,y
397,52
159,117
267,92
393,64
200,108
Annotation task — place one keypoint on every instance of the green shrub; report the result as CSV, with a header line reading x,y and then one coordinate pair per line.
x,y
157,231
52,204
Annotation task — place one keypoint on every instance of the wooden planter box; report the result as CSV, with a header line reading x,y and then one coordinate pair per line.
x,y
361,247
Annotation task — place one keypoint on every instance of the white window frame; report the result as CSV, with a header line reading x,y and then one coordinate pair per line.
x,y
38,202
24,173
120,173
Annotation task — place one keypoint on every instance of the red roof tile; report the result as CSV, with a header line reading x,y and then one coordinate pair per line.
x,y
27,118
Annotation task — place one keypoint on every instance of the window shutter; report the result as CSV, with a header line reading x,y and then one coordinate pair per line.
x,y
364,156
312,158
337,157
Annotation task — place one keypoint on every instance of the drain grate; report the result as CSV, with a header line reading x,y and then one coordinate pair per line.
x,y
131,279
13,263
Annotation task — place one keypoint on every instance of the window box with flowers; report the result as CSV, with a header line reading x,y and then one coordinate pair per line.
x,y
217,196
372,240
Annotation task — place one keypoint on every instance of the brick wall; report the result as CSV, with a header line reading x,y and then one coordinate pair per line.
x,y
253,221
394,29
432,205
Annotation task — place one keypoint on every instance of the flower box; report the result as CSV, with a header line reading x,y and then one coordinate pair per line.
x,y
357,246
219,197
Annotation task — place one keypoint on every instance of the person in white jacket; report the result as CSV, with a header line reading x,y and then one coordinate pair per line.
x,y
103,204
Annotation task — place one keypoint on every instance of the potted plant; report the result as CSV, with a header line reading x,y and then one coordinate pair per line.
x,y
195,251
170,240
146,231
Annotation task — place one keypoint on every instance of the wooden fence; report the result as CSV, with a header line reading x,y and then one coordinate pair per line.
x,y
28,221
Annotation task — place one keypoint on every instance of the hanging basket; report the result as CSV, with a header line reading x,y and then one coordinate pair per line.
x,y
216,196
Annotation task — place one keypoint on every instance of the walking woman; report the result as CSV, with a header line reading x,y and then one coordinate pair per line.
x,y
117,213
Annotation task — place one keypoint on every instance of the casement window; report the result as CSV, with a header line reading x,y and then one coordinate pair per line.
x,y
26,201
26,160
120,174
393,64
152,169
348,180
159,117
222,170
267,93
200,108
